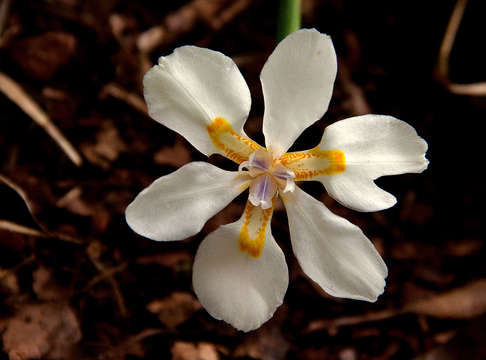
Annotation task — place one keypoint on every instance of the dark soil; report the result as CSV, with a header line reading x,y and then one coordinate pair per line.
x,y
82,285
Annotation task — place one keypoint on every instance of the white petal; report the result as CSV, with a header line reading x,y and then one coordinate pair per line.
x,y
193,86
297,82
178,205
238,288
374,146
332,251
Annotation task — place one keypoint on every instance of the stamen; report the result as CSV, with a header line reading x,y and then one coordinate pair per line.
x,y
244,164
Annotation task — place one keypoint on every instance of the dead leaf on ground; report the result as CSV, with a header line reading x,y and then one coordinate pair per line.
x,y
45,285
176,260
130,346
175,309
464,247
43,55
106,148
266,343
47,331
176,155
182,350
465,343
73,202
9,281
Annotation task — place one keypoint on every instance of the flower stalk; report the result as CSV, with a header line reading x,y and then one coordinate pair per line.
x,y
288,18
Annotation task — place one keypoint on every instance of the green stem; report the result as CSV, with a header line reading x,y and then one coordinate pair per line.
x,y
288,18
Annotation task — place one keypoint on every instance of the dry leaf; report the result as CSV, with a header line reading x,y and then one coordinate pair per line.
x,y
73,202
266,343
177,155
43,55
175,309
45,285
130,346
188,351
46,331
176,260
9,281
107,147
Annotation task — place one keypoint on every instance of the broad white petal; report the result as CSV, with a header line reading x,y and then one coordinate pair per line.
x,y
178,205
234,286
297,82
373,146
193,86
332,251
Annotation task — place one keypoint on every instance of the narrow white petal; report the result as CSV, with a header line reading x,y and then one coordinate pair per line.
x,y
373,146
178,205
297,82
193,86
332,251
234,286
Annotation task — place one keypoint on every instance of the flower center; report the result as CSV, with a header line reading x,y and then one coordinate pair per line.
x,y
269,177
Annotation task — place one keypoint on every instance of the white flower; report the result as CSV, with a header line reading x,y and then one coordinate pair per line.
x,y
240,274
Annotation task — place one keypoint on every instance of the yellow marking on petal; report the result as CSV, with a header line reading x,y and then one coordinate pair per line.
x,y
253,231
236,147
314,162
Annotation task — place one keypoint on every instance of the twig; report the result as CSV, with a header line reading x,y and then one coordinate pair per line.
x,y
216,14
474,89
44,232
15,93
122,349
24,230
463,302
228,14
333,324
20,229
105,273
5,180
103,276
131,99
449,38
